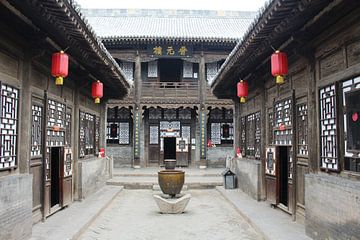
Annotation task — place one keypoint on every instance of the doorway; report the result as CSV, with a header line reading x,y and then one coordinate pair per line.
x,y
283,175
170,70
55,176
169,148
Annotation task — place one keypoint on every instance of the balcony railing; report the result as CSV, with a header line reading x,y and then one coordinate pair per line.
x,y
169,90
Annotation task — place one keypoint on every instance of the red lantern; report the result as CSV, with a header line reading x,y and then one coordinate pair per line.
x,y
59,67
279,66
242,90
97,91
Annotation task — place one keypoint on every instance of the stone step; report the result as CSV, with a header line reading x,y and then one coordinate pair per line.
x,y
149,182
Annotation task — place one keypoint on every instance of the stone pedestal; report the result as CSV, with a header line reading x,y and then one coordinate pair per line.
x,y
170,205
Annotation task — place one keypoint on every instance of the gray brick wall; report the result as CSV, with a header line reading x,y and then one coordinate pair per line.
x,y
216,156
93,174
122,155
16,207
248,176
332,207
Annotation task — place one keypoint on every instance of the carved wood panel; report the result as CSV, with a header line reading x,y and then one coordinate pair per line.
x,y
9,103
36,130
302,129
328,130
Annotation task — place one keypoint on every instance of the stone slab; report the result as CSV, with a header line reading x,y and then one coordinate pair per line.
x,y
273,224
70,222
169,205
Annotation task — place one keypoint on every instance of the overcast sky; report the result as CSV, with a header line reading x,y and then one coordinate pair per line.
x,y
235,5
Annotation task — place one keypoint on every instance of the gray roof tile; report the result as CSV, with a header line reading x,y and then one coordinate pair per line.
x,y
172,24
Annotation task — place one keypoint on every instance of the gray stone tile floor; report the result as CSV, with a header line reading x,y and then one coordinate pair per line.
x,y
134,215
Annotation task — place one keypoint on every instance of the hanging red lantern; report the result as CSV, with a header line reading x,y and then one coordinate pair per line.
x,y
59,67
279,66
97,91
242,90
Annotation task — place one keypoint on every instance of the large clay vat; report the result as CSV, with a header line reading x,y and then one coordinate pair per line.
x,y
171,181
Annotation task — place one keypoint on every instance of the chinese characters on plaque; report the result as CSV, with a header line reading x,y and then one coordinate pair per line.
x,y
170,50
137,135
202,136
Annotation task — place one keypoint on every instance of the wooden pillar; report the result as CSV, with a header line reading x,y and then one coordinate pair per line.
x,y
75,141
137,114
25,117
237,124
202,112
312,115
263,112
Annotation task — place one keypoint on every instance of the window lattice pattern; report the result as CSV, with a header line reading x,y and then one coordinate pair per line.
x,y
154,135
211,71
215,133
328,135
170,125
68,128
188,70
282,118
257,134
250,135
271,128
243,135
124,133
36,130
8,125
302,125
97,134
185,132
56,114
152,69
87,134
128,70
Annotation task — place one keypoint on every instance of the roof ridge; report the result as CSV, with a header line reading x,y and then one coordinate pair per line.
x,y
168,13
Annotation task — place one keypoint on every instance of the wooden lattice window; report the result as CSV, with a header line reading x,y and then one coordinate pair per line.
x,y
36,130
271,128
128,69
188,70
152,69
328,130
9,103
215,134
89,134
119,123
154,135
68,127
251,135
211,71
185,132
243,135
302,129
351,96
283,122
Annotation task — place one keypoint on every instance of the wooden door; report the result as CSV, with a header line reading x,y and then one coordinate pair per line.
x,y
36,156
66,177
271,177
182,149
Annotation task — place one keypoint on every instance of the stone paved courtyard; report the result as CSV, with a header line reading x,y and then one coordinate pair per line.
x,y
134,215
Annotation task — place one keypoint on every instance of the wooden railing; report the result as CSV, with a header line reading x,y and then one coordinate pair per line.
x,y
169,90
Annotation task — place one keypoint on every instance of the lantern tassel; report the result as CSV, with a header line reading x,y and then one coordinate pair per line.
x,y
59,81
242,99
280,79
97,100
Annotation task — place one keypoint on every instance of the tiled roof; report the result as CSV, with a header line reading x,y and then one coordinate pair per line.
x,y
208,26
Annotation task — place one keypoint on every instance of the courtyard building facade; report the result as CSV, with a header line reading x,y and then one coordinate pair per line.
x,y
299,140
171,55
50,135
